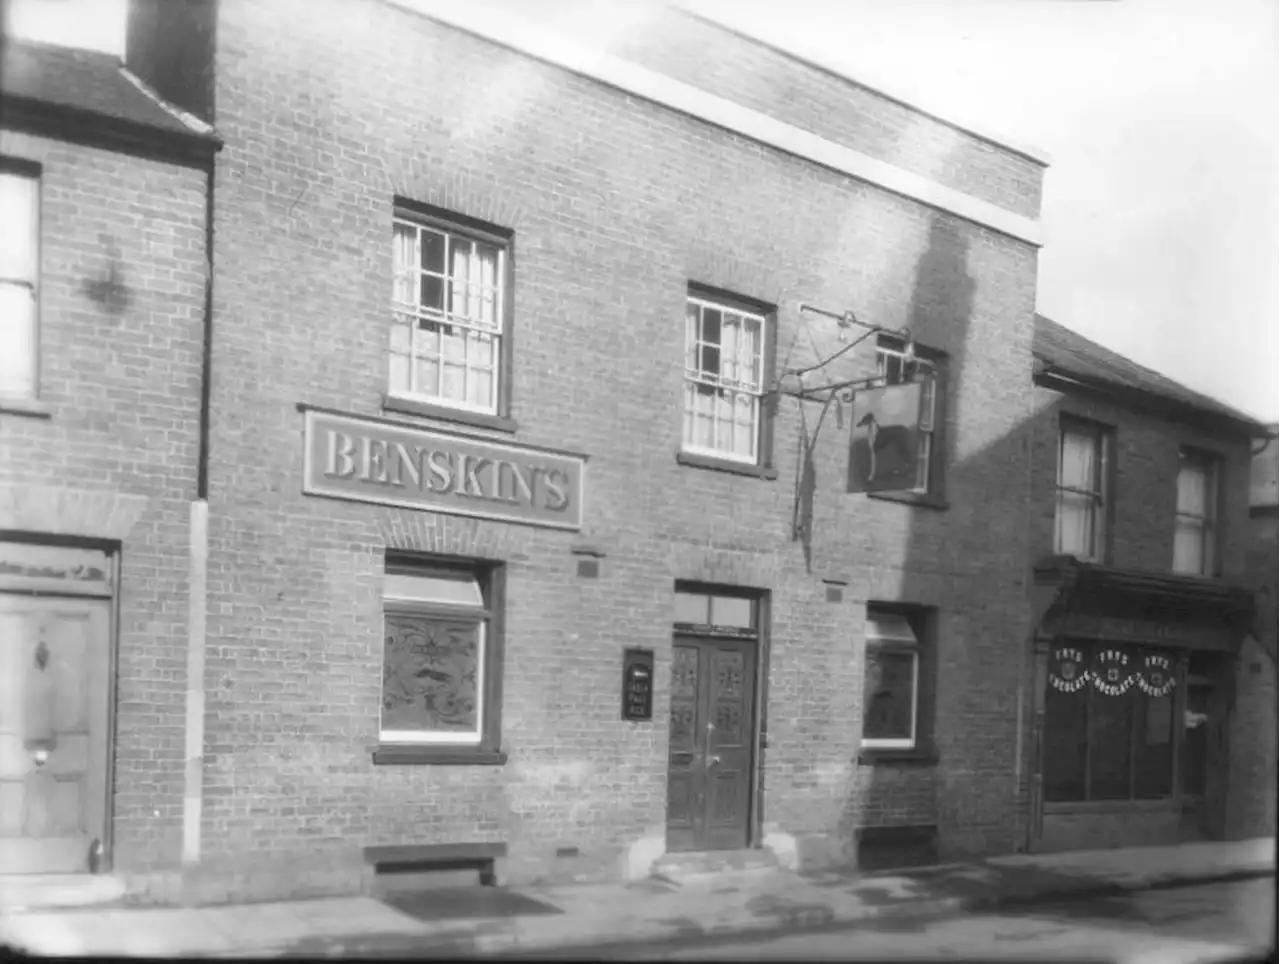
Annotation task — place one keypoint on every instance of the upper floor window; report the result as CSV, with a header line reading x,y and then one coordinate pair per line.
x,y
896,366
19,274
450,314
1083,478
724,377
1195,523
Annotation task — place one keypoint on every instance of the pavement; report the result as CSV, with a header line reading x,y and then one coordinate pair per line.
x,y
599,919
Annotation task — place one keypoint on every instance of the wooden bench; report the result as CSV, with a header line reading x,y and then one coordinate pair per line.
x,y
411,858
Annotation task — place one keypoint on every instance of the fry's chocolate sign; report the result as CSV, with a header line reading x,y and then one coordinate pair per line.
x,y
391,463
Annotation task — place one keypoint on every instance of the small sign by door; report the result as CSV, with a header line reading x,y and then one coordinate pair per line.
x,y
637,685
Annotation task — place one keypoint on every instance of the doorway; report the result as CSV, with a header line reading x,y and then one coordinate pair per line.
x,y
54,723
1203,764
711,756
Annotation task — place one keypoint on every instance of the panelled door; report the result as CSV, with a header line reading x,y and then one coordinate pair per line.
x,y
54,661
709,775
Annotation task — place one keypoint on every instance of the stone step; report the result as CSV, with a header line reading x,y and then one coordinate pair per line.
x,y
714,865
28,892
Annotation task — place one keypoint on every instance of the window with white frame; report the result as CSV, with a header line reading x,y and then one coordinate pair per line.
x,y
1195,522
436,657
896,367
891,682
19,274
724,373
1083,473
449,314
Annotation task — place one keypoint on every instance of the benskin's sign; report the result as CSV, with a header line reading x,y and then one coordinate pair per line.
x,y
390,463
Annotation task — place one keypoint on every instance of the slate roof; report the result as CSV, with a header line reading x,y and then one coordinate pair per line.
x,y
90,81
1068,353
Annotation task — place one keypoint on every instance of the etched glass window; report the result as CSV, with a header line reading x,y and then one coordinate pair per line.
x,y
891,683
435,628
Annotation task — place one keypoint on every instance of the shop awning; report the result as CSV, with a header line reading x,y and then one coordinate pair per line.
x,y
1105,602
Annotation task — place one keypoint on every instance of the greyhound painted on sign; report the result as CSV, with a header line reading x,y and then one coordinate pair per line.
x,y
894,442
883,448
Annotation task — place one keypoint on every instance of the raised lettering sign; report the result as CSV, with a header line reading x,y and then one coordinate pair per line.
x,y
389,463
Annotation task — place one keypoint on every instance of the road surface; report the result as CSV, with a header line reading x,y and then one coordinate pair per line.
x,y
1219,922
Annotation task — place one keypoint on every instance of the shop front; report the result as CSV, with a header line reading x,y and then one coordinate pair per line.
x,y
1134,685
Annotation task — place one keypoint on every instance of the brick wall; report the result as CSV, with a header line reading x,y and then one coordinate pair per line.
x,y
615,205
121,309
1251,789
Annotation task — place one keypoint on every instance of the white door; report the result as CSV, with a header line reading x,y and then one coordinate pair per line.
x,y
54,664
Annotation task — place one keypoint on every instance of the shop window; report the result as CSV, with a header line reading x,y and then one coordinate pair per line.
x,y
19,274
1195,523
897,697
727,345
896,365
1109,724
1083,480
442,662
450,313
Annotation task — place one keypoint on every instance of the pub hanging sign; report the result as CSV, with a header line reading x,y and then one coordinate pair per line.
x,y
1067,669
637,685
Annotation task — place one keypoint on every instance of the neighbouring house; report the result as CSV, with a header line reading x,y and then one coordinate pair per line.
x,y
104,190
1142,601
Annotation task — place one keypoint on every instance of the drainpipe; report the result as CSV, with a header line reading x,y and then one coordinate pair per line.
x,y
1022,816
197,561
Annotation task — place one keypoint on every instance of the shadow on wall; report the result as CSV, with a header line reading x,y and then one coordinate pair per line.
x,y
963,583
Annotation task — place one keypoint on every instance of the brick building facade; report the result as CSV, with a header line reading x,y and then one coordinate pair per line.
x,y
531,526
103,281
1147,683
615,213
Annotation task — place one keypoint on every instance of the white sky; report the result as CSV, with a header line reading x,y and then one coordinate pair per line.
x,y
1162,119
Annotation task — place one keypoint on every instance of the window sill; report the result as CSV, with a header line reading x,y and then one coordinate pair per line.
x,y
412,406
920,756
726,465
925,500
411,754
31,407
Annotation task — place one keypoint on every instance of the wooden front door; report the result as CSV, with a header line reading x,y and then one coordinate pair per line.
x,y
54,661
710,765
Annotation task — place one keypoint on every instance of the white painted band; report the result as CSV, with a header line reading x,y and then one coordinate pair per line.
x,y
193,776
528,38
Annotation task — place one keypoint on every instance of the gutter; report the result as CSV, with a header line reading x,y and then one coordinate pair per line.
x,y
1047,375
